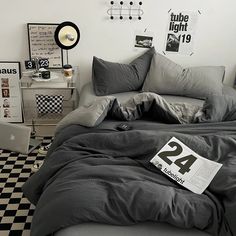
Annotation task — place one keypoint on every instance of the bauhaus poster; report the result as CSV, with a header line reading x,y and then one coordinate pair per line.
x,y
181,30
10,95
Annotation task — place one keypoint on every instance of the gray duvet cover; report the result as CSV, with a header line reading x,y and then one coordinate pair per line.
x,y
104,175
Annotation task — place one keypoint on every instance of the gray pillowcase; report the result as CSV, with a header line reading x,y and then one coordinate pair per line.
x,y
167,77
110,77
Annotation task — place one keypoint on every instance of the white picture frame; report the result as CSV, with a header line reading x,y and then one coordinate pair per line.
x,y
10,94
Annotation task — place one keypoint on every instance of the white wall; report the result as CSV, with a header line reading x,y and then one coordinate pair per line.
x,y
113,40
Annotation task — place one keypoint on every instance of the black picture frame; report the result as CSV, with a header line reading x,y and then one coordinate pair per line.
x,y
10,75
42,43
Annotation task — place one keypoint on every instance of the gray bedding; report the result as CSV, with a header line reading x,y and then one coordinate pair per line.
x,y
142,104
215,108
103,175
87,96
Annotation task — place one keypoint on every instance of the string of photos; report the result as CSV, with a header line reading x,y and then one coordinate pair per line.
x,y
122,10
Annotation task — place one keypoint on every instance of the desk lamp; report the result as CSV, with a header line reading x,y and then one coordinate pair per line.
x,y
67,36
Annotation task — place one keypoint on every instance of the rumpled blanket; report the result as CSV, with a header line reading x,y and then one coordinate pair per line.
x,y
100,174
104,175
215,109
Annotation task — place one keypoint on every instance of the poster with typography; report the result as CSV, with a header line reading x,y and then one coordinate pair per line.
x,y
10,95
181,32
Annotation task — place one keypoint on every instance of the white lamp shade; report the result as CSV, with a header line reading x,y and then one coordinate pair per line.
x,y
67,36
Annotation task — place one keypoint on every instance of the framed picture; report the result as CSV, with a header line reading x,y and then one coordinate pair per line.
x,y
10,94
42,44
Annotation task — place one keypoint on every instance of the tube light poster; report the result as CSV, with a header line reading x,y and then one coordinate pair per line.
x,y
181,32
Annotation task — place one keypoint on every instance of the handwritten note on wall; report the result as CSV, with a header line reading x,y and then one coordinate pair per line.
x,y
42,43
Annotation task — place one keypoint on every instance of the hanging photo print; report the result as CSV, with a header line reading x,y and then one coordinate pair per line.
x,y
181,32
10,96
143,39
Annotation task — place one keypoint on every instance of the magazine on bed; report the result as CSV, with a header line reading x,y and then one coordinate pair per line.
x,y
185,166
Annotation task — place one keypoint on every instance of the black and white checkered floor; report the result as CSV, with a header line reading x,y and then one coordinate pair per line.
x,y
15,210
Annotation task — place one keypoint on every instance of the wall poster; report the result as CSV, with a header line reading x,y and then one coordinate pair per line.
x,y
143,39
181,32
10,94
43,45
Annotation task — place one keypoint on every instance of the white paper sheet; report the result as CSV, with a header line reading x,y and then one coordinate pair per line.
x,y
185,166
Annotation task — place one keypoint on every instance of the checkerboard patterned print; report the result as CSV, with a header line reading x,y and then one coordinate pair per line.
x,y
49,103
16,212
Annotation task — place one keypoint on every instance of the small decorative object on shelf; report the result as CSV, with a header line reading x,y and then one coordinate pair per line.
x,y
68,71
46,74
30,64
36,63
131,10
39,65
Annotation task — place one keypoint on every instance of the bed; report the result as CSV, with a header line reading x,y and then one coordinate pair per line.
x,y
98,179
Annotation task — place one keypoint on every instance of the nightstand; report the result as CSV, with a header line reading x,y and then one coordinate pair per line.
x,y
44,123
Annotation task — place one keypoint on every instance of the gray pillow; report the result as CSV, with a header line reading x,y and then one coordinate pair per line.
x,y
219,108
110,77
167,77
